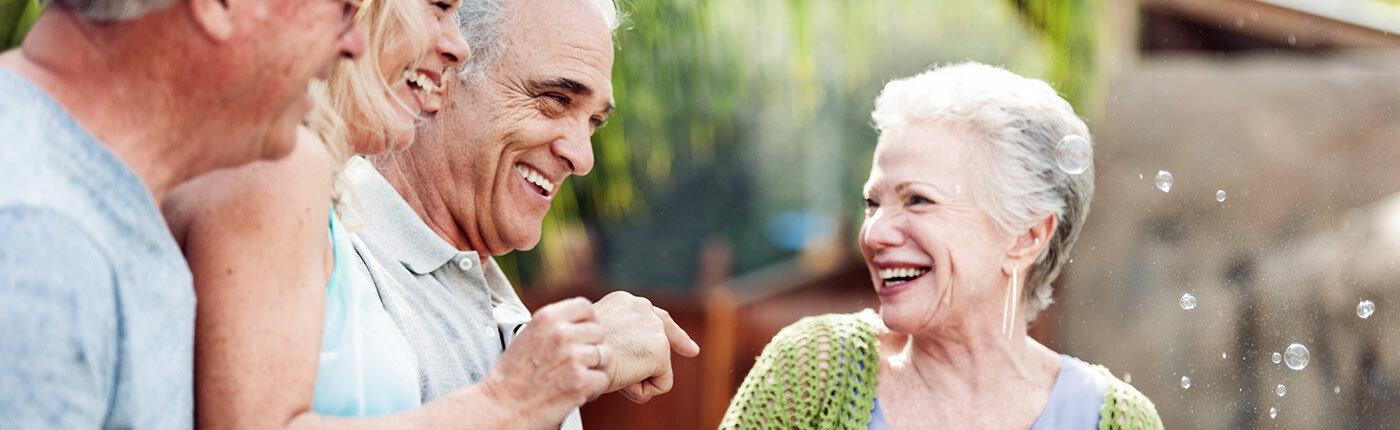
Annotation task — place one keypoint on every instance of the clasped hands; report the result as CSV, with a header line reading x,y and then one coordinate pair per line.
x,y
573,351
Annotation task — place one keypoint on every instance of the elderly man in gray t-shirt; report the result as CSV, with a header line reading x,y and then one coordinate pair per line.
x,y
477,182
106,106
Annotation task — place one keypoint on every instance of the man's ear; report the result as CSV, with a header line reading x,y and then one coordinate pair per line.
x,y
1030,243
213,17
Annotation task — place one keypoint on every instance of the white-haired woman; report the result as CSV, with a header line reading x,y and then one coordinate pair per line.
x,y
968,220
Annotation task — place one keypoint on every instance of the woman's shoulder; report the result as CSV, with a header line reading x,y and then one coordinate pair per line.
x,y
854,328
272,215
821,367
1124,407
242,198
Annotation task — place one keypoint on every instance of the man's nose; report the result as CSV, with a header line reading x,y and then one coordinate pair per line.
x,y
576,150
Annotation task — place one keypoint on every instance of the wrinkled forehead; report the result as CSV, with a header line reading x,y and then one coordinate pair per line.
x,y
564,38
921,150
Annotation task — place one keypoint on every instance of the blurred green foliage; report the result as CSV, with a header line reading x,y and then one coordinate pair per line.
x,y
1069,28
16,16
731,112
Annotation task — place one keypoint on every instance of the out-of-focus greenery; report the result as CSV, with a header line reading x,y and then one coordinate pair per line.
x,y
1068,27
732,112
16,16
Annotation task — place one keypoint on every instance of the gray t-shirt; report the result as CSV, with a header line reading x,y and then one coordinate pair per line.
x,y
457,315
96,300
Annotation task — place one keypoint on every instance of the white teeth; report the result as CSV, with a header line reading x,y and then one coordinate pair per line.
x,y
535,178
424,82
901,272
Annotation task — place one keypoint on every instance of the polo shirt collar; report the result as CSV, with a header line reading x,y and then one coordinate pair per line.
x,y
375,203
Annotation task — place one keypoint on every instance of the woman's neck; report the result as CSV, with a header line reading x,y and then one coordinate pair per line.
x,y
965,363
957,371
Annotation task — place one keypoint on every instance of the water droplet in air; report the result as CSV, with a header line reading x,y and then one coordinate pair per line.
x,y
1296,356
1292,40
1128,377
1164,181
1185,382
1281,390
1073,154
1278,358
1222,356
1337,389
1365,309
1188,301
1273,412
1220,196
1139,176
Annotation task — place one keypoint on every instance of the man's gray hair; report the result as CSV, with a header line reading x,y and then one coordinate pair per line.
x,y
112,10
1017,123
481,24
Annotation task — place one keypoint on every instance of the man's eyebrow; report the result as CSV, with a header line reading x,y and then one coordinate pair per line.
x,y
571,86
563,84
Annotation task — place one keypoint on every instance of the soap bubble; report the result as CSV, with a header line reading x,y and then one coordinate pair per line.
x,y
1074,154
1188,301
1296,356
1164,181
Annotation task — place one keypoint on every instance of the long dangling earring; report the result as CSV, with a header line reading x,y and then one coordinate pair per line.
x,y
1009,308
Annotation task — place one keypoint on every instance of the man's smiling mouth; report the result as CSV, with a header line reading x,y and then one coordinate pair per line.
x,y
534,177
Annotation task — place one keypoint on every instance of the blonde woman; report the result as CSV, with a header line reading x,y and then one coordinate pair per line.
x,y
285,338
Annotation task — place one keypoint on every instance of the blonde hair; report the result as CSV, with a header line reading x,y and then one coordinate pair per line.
x,y
357,102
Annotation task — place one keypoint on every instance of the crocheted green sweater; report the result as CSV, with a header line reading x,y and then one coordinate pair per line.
x,y
819,373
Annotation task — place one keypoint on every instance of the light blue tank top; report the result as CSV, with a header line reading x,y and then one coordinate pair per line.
x,y
1074,403
367,368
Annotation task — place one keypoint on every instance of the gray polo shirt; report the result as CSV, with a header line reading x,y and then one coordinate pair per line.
x,y
457,315
96,301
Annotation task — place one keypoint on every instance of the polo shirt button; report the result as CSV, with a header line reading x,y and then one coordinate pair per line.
x,y
465,263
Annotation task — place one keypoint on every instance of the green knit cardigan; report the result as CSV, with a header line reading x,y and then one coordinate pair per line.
x,y
819,373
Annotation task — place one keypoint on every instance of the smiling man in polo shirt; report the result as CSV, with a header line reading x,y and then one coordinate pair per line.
x,y
477,182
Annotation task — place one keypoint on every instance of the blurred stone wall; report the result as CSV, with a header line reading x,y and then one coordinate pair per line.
x,y
1304,147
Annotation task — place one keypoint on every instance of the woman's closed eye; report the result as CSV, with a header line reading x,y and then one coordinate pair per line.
x,y
445,6
870,206
915,200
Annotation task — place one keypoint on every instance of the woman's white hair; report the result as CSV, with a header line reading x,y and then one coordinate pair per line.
x,y
1016,123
